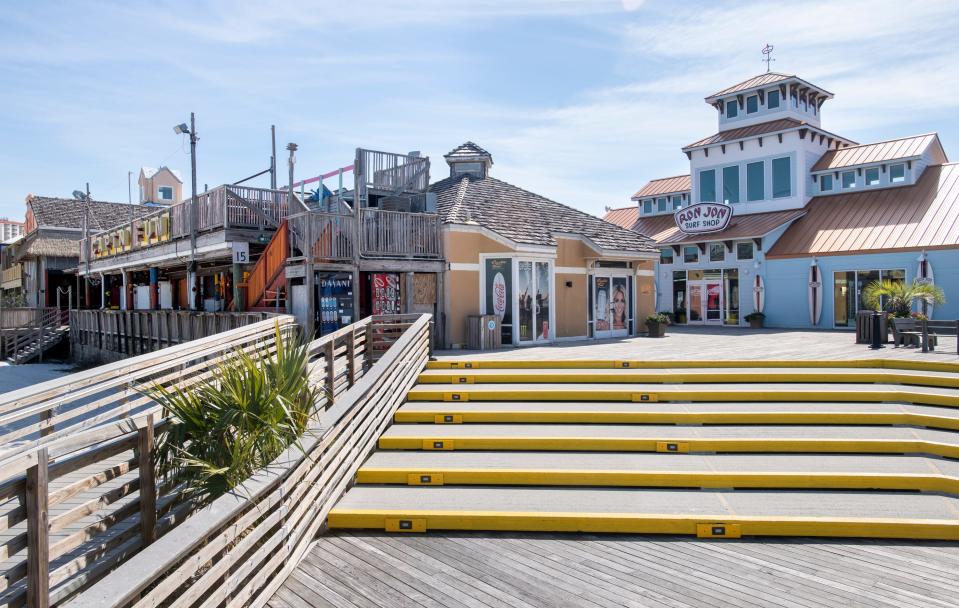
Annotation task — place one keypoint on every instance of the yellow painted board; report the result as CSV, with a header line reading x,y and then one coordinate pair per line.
x,y
917,365
666,479
642,417
613,444
627,523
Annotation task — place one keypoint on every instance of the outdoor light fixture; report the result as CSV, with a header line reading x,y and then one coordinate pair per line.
x,y
181,129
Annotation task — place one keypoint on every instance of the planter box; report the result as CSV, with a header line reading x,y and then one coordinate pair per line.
x,y
756,323
656,330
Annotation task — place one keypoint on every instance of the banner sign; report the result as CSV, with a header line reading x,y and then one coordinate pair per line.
x,y
499,278
703,217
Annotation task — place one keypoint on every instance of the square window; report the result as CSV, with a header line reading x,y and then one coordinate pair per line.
x,y
717,252
731,184
165,193
661,204
744,251
782,179
772,100
647,207
825,183
690,254
872,176
897,174
666,255
755,182
707,186
752,104
732,109
848,180
677,201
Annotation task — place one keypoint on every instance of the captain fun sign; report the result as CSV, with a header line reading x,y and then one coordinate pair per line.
x,y
703,217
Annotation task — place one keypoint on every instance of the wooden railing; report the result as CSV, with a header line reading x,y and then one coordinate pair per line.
x,y
134,332
29,327
270,265
222,207
393,172
71,474
22,317
12,277
239,549
328,236
400,234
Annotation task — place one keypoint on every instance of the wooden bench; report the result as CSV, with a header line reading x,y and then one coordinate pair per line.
x,y
907,332
930,330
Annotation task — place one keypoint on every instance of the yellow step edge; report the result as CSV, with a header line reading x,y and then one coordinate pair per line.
x,y
620,444
641,417
646,364
655,377
619,523
660,479
599,393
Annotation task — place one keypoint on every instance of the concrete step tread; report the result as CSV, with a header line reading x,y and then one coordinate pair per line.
x,y
716,388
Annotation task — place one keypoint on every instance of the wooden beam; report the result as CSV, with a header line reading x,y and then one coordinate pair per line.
x,y
148,493
38,532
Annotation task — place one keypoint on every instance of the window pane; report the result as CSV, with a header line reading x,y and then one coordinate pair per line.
x,y
744,251
731,296
732,109
666,255
782,182
825,183
844,299
707,186
691,254
864,278
754,182
647,207
661,204
717,252
677,201
772,100
872,176
897,173
848,180
731,184
752,104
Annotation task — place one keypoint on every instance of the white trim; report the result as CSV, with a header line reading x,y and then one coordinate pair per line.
x,y
572,338
466,267
499,238
571,270
641,272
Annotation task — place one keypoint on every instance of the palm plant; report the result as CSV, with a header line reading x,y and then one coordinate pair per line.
x,y
227,426
897,297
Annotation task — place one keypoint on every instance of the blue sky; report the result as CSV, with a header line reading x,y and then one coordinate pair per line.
x,y
582,101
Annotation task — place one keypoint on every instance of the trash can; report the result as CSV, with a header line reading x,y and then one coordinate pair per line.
x,y
483,332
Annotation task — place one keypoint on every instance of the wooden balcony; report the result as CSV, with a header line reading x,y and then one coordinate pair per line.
x,y
382,234
217,209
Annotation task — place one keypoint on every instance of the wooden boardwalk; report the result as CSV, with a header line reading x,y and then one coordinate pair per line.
x,y
488,570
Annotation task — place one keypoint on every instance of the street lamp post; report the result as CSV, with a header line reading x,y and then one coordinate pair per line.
x,y
194,216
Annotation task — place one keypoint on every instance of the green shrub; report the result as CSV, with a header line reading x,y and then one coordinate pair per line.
x,y
237,421
897,297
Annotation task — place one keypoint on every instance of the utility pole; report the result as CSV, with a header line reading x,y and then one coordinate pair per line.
x,y
87,247
193,279
273,158
309,278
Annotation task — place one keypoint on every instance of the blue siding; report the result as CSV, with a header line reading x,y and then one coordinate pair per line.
x,y
787,283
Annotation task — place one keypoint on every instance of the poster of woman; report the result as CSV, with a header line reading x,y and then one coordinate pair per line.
x,y
618,306
601,303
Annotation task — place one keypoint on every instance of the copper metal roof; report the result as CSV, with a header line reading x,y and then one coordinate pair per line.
x,y
663,230
905,147
755,81
624,216
921,216
763,128
665,185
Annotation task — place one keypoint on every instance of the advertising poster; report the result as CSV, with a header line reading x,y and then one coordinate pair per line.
x,y
499,289
619,303
601,303
386,293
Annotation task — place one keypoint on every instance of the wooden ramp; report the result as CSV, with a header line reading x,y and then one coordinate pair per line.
x,y
850,449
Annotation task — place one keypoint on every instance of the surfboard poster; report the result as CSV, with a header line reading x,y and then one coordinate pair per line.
x,y
815,294
759,294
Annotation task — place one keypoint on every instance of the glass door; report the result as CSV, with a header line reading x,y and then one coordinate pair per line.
x,y
534,301
713,301
542,307
694,302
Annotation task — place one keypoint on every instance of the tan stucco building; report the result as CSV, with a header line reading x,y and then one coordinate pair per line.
x,y
162,186
547,271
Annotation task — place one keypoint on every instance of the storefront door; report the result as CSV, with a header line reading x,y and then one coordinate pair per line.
x,y
611,306
533,293
705,303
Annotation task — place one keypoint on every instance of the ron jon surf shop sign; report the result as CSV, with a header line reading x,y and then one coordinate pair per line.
x,y
703,217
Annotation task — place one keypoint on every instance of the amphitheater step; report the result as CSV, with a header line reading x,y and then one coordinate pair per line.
x,y
710,513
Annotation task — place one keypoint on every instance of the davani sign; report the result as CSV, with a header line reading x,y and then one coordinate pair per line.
x,y
703,217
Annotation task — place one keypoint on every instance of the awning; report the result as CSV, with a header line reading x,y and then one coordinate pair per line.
x,y
663,229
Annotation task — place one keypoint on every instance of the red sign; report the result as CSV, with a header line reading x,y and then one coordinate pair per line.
x,y
703,217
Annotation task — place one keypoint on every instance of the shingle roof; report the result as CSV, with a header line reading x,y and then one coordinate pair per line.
x,y
149,172
525,217
52,247
624,216
921,216
69,212
663,229
468,151
905,147
665,185
755,81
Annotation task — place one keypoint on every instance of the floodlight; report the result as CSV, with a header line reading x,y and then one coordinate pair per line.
x,y
181,128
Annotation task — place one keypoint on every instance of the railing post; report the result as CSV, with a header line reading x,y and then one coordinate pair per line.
x,y
38,533
329,353
148,495
351,357
368,351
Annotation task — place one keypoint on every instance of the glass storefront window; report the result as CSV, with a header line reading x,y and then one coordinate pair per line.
x,y
524,287
863,278
679,296
731,293
666,255
847,292
744,251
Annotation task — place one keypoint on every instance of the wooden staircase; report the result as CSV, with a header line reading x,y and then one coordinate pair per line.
x,y
28,343
788,448
267,277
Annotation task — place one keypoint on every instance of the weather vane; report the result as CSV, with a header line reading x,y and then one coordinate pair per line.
x,y
768,52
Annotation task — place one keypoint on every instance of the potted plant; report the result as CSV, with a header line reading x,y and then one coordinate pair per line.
x,y
656,324
897,297
755,319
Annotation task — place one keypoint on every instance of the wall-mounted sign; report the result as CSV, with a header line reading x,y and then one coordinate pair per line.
x,y
241,252
703,217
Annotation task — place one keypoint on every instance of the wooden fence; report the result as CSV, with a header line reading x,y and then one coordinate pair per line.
x,y
78,492
239,549
400,234
134,332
